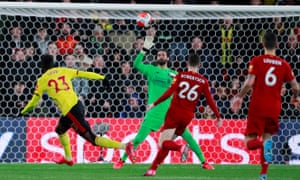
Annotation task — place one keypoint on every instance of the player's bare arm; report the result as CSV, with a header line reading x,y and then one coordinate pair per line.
x,y
237,101
295,100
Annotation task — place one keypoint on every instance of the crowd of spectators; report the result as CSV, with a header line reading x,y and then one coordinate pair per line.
x,y
109,47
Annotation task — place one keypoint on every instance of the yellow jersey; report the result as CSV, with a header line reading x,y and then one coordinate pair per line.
x,y
56,82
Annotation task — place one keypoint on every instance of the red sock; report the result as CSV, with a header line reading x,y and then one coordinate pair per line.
x,y
264,165
161,155
254,144
171,145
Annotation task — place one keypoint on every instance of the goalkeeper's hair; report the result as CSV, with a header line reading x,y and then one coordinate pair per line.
x,y
163,50
47,62
270,40
194,60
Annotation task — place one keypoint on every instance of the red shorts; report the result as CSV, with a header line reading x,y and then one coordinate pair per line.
x,y
177,119
260,125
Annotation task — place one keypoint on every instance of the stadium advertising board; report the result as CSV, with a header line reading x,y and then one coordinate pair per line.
x,y
12,139
223,145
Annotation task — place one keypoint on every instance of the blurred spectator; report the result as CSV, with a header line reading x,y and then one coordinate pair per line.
x,y
124,76
288,109
228,31
12,40
53,50
99,39
81,85
31,63
208,63
291,50
100,101
280,27
222,101
102,21
16,38
130,91
137,46
126,71
79,52
213,87
21,69
18,55
17,98
151,31
297,31
119,55
132,109
70,61
42,39
84,62
293,44
66,41
179,51
31,55
234,87
196,46
99,65
122,34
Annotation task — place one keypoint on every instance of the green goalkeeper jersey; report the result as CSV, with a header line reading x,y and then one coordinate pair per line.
x,y
159,80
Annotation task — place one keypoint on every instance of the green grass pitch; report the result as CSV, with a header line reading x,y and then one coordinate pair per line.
x,y
134,172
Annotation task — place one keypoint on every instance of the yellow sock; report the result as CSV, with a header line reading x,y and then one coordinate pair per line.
x,y
108,143
65,142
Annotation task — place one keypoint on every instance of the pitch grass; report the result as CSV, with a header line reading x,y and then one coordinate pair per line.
x,y
134,172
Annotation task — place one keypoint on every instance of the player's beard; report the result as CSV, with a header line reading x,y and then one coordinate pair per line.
x,y
161,62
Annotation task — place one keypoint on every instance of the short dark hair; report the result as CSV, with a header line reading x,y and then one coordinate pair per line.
x,y
47,62
270,40
164,50
194,60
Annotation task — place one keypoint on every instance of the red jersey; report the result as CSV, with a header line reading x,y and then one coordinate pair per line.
x,y
186,90
270,74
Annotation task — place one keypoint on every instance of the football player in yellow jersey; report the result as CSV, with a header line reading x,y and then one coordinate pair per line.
x,y
56,82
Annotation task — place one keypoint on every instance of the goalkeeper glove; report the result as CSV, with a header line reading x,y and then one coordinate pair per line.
x,y
148,43
106,83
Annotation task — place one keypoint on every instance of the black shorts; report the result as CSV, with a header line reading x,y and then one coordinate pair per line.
x,y
75,119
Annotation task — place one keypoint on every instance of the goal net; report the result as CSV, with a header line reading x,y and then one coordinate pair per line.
x,y
104,38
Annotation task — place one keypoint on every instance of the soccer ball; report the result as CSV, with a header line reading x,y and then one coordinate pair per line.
x,y
144,19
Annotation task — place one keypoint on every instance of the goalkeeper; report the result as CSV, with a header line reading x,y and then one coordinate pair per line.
x,y
56,82
159,79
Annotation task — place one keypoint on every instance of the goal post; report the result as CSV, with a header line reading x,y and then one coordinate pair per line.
x,y
129,11
104,38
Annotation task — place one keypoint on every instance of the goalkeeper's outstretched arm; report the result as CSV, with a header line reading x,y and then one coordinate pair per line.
x,y
138,61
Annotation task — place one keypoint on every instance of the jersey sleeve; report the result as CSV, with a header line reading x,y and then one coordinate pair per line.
x,y
210,100
89,75
252,69
140,66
